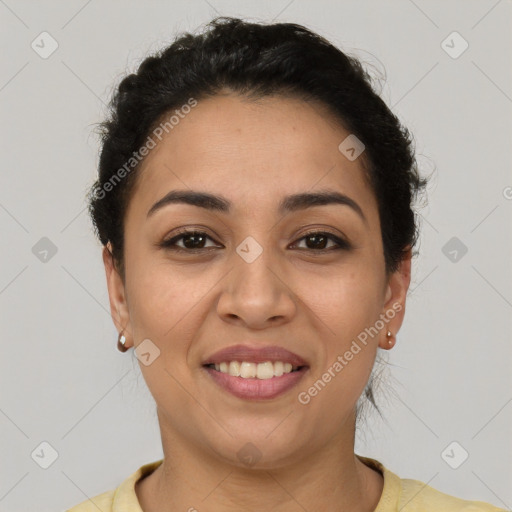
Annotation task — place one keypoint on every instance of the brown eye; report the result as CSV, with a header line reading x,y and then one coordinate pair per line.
x,y
191,240
318,241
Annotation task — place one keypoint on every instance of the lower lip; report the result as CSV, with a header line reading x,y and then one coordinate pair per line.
x,y
256,389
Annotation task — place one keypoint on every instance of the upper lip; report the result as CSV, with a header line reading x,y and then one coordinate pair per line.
x,y
250,354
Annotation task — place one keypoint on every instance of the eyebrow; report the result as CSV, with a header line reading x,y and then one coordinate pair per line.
x,y
290,203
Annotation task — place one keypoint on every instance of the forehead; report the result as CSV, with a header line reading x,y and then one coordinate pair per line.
x,y
252,150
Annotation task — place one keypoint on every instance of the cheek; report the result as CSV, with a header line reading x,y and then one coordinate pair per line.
x,y
161,296
349,304
347,300
169,299
359,302
163,309
165,312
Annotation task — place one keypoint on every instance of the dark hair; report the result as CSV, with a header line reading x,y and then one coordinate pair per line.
x,y
257,60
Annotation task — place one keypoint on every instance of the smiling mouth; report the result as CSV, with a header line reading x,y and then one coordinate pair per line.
x,y
249,370
256,381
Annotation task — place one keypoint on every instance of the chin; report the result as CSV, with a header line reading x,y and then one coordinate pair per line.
x,y
261,451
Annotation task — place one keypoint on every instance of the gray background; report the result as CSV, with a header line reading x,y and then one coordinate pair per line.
x,y
63,381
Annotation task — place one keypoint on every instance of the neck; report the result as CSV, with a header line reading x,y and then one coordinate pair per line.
x,y
331,479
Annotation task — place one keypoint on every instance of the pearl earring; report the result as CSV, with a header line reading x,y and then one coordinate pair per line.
x,y
121,343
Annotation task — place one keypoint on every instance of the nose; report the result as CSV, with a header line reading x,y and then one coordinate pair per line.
x,y
257,294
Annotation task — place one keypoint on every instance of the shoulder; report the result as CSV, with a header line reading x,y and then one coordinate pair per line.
x,y
417,496
122,499
101,502
407,495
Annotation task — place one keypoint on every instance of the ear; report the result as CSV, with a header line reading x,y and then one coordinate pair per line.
x,y
117,296
394,301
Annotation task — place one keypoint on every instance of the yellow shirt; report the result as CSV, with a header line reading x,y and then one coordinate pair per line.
x,y
398,494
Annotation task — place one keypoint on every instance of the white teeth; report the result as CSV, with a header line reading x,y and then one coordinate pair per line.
x,y
248,370
265,370
234,369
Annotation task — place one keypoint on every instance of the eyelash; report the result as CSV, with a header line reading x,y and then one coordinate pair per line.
x,y
170,243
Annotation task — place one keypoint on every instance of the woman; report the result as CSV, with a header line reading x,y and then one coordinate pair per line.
x,y
254,201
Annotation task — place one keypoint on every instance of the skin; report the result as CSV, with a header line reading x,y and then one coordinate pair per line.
x,y
191,305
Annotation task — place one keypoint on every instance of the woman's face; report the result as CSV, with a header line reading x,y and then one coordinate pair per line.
x,y
255,279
